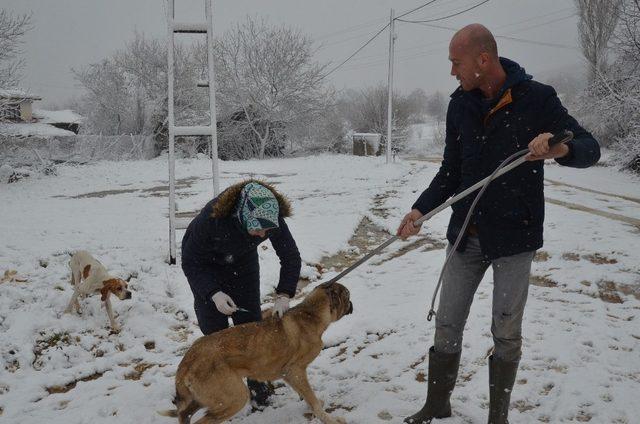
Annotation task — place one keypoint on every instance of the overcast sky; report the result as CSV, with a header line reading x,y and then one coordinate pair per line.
x,y
74,33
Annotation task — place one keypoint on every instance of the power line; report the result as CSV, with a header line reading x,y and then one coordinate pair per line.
x,y
429,52
538,43
372,38
448,16
350,29
368,23
356,52
407,49
555,12
522,40
544,23
344,40
417,8
385,27
421,46
445,8
425,23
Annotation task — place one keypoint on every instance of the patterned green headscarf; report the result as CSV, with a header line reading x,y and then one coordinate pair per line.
x,y
258,208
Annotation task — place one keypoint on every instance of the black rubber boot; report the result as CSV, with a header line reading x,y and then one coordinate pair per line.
x,y
502,375
260,393
443,371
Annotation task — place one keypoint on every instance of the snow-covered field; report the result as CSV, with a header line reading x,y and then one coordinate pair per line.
x,y
581,334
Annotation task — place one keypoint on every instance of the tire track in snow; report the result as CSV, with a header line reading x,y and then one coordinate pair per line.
x,y
589,190
613,216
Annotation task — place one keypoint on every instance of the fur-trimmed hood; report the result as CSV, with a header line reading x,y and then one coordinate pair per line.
x,y
228,200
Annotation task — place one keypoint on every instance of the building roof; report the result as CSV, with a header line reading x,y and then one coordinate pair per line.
x,y
16,94
32,129
366,134
66,116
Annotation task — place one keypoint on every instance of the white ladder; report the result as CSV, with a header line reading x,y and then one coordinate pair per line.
x,y
175,27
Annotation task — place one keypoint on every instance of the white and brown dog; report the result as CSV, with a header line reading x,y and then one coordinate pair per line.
x,y
89,276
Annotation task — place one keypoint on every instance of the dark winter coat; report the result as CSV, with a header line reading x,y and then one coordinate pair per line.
x,y
217,251
480,134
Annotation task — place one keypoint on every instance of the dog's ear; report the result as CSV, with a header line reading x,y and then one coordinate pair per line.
x,y
85,272
334,296
335,300
108,286
104,291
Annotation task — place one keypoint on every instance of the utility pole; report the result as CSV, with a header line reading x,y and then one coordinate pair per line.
x,y
392,38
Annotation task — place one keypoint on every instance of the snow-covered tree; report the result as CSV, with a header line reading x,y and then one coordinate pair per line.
x,y
596,24
106,102
126,93
267,83
12,30
437,106
611,104
268,88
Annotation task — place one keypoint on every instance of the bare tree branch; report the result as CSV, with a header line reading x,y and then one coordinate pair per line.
x,y
597,23
12,30
269,74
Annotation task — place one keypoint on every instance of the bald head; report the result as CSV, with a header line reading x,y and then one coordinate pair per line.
x,y
474,60
476,38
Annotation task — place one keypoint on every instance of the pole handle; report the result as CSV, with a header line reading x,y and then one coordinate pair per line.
x,y
560,138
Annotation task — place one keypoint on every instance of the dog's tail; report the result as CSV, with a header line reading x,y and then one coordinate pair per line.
x,y
171,412
168,413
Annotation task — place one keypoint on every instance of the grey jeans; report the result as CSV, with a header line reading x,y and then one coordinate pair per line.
x,y
510,289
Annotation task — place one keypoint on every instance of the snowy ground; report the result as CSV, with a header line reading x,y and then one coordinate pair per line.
x,y
582,340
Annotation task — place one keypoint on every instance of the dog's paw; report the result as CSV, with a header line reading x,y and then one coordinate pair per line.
x,y
115,329
336,420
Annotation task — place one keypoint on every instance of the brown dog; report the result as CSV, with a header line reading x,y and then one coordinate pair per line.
x,y
211,373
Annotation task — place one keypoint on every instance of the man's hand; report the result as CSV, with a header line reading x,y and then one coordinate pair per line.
x,y
406,227
281,305
539,148
224,303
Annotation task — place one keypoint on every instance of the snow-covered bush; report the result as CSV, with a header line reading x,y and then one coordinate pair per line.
x,y
610,106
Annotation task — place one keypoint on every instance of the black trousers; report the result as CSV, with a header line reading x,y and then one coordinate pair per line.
x,y
242,284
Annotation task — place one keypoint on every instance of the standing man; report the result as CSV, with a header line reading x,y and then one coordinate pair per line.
x,y
496,111
220,260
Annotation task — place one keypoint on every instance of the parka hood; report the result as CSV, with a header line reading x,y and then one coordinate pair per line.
x,y
228,200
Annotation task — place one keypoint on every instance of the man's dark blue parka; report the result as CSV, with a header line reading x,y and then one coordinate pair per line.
x,y
480,134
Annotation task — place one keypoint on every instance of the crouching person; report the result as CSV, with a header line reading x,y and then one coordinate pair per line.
x,y
220,260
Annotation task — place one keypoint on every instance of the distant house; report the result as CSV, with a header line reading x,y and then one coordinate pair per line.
x,y
18,118
16,105
63,119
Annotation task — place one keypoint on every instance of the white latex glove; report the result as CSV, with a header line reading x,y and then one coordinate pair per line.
x,y
224,303
281,305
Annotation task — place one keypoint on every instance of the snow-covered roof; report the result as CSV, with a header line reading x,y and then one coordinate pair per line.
x,y
366,135
66,116
17,94
32,129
